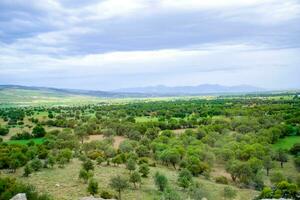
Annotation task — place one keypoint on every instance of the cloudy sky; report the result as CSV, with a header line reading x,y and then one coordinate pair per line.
x,y
109,44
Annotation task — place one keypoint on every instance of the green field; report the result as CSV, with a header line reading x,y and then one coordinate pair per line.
x,y
287,142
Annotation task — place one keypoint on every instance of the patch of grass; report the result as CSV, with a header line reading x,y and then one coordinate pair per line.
x,y
146,119
63,183
35,140
287,142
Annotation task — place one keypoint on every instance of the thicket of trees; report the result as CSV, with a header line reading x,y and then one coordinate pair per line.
x,y
236,133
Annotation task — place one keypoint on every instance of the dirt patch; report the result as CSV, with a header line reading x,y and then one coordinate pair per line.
x,y
220,171
117,139
182,130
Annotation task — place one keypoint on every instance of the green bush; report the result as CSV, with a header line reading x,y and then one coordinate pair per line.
x,y
222,180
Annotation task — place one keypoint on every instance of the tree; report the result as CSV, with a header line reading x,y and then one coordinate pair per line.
x,y
81,132
281,156
229,193
4,130
185,178
144,170
152,133
88,165
51,161
268,164
161,181
117,160
27,170
100,160
131,165
36,164
119,184
38,131
93,187
135,178
85,175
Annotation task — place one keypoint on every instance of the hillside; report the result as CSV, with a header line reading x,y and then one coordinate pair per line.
x,y
192,90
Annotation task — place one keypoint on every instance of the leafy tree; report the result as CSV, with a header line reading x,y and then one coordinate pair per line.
x,y
144,170
99,160
93,187
81,132
131,165
277,177
38,131
85,175
119,184
281,156
27,170
4,130
268,164
36,164
88,165
135,178
51,161
161,181
185,178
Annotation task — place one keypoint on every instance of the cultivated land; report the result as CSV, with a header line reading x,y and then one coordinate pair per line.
x,y
222,142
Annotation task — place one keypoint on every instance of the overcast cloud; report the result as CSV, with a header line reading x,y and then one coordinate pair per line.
x,y
109,44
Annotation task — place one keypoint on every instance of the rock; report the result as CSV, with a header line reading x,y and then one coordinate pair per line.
x,y
20,196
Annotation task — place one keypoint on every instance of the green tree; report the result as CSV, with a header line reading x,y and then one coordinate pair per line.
x,y
36,164
131,165
93,187
135,178
144,170
281,156
27,170
85,175
4,130
119,184
161,181
38,131
268,164
81,132
88,165
185,178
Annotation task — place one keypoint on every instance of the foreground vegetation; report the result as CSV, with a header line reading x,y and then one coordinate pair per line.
x,y
230,148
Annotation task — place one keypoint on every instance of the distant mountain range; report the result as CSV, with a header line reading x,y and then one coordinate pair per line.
x,y
151,91
192,90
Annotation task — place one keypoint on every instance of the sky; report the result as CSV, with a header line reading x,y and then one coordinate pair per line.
x,y
110,44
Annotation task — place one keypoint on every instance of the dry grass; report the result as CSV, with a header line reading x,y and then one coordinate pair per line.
x,y
117,139
64,184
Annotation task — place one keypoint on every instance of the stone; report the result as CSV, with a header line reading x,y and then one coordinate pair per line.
x,y
20,196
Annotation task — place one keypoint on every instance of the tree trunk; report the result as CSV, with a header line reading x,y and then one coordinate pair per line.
x,y
119,194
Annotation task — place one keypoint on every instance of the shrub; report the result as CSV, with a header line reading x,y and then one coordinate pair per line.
x,y
4,130
222,180
38,131
36,164
106,195
161,181
93,187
